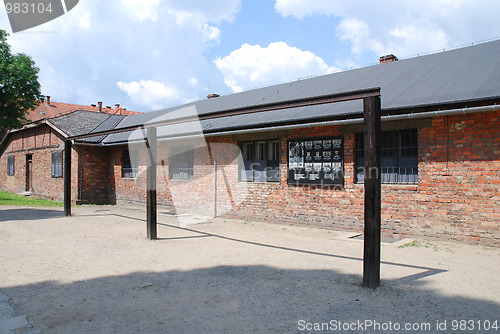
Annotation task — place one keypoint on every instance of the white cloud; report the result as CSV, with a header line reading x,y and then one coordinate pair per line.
x,y
252,65
410,38
404,28
193,82
213,11
358,33
85,21
304,8
154,94
183,17
211,32
197,21
84,53
142,10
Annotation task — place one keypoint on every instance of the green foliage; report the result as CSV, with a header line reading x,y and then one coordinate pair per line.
x,y
418,243
19,86
7,198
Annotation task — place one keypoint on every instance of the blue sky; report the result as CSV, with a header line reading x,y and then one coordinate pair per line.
x,y
151,54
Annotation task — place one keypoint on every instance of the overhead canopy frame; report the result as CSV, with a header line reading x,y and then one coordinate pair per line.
x,y
372,137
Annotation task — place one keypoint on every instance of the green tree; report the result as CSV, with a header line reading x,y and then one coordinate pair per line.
x,y
19,86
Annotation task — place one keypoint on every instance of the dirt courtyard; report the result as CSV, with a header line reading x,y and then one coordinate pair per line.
x,y
96,272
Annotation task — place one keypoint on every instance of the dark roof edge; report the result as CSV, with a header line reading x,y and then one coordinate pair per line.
x,y
443,106
354,114
229,131
385,112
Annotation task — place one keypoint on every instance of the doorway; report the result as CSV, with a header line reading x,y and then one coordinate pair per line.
x,y
29,172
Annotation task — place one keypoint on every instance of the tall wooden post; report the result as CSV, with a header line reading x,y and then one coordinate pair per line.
x,y
67,178
372,145
151,185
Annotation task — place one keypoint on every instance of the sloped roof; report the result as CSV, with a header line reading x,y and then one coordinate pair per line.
x,y
75,123
82,122
110,123
447,78
58,108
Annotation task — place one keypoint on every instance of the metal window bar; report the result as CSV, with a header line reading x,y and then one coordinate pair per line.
x,y
130,172
182,173
399,157
260,161
10,166
274,150
182,163
57,164
127,170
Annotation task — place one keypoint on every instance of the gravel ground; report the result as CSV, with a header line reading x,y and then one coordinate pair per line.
x,y
96,272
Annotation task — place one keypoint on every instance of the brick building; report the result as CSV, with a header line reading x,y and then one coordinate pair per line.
x,y
32,155
440,152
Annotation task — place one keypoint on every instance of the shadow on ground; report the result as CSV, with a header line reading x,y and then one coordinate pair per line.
x,y
29,214
233,299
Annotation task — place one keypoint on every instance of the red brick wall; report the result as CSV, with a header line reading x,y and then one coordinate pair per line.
x,y
185,196
459,194
457,197
95,175
40,142
326,207
129,189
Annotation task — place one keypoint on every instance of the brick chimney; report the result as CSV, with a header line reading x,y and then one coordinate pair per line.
x,y
99,106
388,59
48,101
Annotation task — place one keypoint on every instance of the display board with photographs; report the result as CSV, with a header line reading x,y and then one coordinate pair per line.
x,y
316,161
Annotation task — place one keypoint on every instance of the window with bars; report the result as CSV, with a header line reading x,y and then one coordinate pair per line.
x,y
399,160
56,166
261,161
182,163
128,170
10,166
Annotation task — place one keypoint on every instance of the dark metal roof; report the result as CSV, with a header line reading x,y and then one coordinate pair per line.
x,y
83,122
110,123
461,75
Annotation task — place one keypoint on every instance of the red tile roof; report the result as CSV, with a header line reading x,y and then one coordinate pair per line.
x,y
58,108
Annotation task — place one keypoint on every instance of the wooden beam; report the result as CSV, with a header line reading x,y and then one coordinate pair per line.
x,y
151,185
372,145
67,178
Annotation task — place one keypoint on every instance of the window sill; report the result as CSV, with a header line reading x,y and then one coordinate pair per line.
x,y
394,186
261,182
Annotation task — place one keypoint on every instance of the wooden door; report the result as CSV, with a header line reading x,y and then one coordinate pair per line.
x,y
29,172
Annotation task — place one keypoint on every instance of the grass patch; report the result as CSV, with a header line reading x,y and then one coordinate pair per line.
x,y
7,198
418,243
